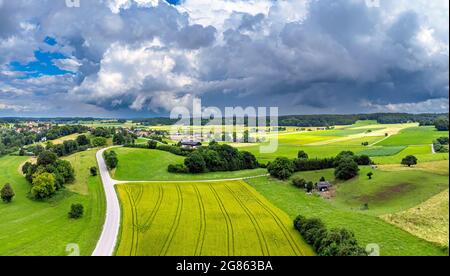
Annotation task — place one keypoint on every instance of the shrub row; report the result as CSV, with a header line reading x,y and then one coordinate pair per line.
x,y
335,242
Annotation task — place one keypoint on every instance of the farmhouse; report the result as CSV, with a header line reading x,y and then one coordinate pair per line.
x,y
190,144
323,186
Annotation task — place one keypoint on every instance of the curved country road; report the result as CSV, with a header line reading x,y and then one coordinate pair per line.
x,y
108,239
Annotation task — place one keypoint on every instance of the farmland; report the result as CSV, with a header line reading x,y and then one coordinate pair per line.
x,y
203,219
43,227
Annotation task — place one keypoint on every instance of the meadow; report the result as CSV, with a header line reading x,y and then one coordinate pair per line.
x,y
414,136
203,219
43,228
151,165
428,220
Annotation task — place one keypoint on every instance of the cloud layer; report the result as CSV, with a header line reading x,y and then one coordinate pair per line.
x,y
144,57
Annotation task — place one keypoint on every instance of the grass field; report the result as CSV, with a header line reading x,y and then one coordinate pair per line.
x,y
382,151
368,227
29,227
151,165
201,219
390,191
414,136
428,220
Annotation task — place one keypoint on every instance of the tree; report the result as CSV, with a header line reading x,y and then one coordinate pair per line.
x,y
250,161
443,140
302,155
99,142
76,211
442,124
195,163
93,171
370,174
118,139
7,193
309,187
363,160
46,158
21,152
43,185
111,159
322,179
152,144
409,160
282,168
82,140
346,169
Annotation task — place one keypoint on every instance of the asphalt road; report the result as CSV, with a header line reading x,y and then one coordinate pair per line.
x,y
108,239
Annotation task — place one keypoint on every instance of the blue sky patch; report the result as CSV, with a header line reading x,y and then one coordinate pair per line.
x,y
41,67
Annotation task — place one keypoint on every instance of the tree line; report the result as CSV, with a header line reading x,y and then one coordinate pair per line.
x,y
345,164
215,158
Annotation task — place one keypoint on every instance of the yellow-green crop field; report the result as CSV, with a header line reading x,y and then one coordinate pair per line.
x,y
203,219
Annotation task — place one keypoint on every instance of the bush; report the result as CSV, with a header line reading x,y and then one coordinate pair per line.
x,y
7,193
76,211
409,160
93,171
299,182
346,169
43,185
443,140
82,140
282,168
179,168
99,142
195,163
363,160
152,144
370,175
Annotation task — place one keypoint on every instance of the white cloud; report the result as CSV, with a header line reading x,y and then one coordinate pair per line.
x,y
432,105
68,64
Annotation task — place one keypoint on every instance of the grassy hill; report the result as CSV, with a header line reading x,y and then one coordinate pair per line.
x,y
29,227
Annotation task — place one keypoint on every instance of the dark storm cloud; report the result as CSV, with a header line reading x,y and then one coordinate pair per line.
x,y
321,57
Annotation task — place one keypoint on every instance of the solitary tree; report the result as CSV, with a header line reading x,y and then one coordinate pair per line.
x,y
152,144
76,211
93,171
7,193
409,160
322,179
302,155
370,174
111,160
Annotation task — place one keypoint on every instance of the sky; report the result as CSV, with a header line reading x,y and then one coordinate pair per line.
x,y
142,58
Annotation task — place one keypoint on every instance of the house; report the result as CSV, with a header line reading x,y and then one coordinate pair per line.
x,y
190,144
323,186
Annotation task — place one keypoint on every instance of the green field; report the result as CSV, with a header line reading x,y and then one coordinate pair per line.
x,y
151,165
367,226
390,191
414,136
428,220
203,219
29,227
382,151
